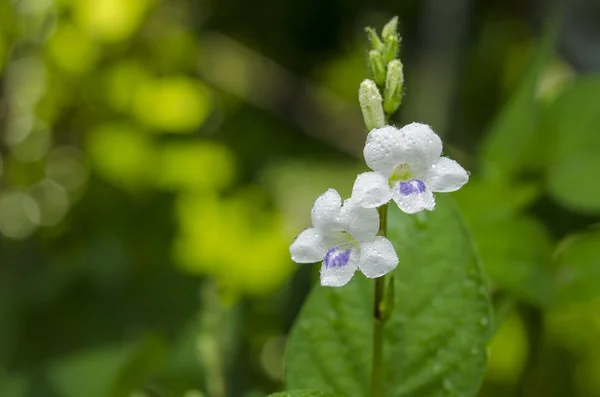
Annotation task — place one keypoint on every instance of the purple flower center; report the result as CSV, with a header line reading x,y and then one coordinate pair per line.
x,y
413,186
336,257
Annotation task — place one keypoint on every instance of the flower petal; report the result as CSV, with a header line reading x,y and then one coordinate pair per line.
x,y
377,257
421,146
308,247
339,265
371,189
446,176
415,144
382,149
326,209
361,223
413,196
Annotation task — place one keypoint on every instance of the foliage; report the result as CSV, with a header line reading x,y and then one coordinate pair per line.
x,y
159,156
435,340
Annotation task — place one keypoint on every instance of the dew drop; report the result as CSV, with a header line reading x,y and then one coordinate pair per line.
x,y
468,284
484,321
448,384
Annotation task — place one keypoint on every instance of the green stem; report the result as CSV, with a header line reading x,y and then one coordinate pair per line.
x,y
377,339
378,320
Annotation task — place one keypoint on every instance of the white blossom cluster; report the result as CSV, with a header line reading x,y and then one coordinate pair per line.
x,y
407,168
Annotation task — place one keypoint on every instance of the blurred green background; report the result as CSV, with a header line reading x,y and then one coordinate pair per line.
x,y
159,156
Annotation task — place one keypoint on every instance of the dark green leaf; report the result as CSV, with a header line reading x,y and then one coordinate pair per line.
x,y
572,120
435,340
578,263
507,147
112,371
515,248
572,125
304,393
517,258
14,386
487,203
574,182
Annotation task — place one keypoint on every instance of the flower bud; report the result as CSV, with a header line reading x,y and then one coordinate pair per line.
x,y
376,42
390,28
377,67
370,104
393,86
390,49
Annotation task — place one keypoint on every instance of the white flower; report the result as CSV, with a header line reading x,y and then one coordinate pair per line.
x,y
344,238
407,168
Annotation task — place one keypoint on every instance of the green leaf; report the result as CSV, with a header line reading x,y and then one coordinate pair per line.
x,y
517,257
304,393
14,386
488,203
572,120
330,344
578,267
435,340
508,145
574,182
112,371
572,125
515,248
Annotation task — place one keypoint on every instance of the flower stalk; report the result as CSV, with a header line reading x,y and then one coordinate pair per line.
x,y
379,317
407,168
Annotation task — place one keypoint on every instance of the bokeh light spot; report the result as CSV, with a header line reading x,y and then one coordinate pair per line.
x,y
237,240
72,50
25,82
34,146
271,357
508,351
17,129
122,155
199,165
52,201
19,214
66,165
174,104
110,20
122,81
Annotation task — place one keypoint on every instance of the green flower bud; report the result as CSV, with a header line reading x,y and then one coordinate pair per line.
x,y
376,42
390,28
391,46
370,104
377,67
393,87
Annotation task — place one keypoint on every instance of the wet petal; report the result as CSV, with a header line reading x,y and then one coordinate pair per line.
x,y
326,209
371,189
362,223
382,149
413,196
421,146
309,247
415,144
446,176
339,265
377,257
